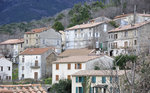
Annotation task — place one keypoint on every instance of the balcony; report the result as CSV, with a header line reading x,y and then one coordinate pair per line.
x,y
35,67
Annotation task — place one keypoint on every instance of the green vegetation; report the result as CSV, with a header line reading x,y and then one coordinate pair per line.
x,y
48,81
121,60
96,68
58,26
59,17
15,74
114,24
86,84
64,86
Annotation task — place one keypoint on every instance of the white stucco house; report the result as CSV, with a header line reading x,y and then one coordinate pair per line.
x,y
5,69
11,48
100,81
35,63
63,68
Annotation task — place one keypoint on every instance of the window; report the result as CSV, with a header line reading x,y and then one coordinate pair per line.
x,y
93,79
22,67
0,78
57,42
76,35
36,62
125,34
21,45
26,35
9,77
6,77
82,35
78,66
23,59
125,44
22,75
1,68
110,79
115,45
79,79
57,77
36,41
69,66
69,77
105,27
135,42
8,68
57,66
43,41
115,36
90,34
103,79
134,33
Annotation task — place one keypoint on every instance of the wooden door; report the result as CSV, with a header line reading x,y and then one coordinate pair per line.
x,y
36,75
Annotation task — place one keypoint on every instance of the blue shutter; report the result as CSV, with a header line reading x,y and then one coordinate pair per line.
x,y
93,79
81,89
76,79
91,90
76,89
110,79
82,79
110,89
103,79
96,90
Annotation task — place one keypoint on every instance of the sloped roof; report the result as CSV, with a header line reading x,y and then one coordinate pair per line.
x,y
128,27
88,25
99,73
76,59
76,52
28,88
12,41
37,30
35,51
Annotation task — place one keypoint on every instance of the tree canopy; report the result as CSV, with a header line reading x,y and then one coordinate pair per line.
x,y
58,26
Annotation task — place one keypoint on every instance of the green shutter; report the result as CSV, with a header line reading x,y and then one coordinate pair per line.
x,y
76,89
103,79
76,79
96,90
110,79
91,90
93,79
101,45
81,89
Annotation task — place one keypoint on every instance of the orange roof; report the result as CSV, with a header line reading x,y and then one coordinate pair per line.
x,y
84,26
74,59
12,41
35,51
27,88
123,15
37,30
128,27
76,52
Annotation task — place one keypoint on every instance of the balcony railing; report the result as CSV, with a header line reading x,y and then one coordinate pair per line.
x,y
35,67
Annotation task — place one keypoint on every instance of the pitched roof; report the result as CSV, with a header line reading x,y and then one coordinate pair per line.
x,y
129,27
76,59
12,41
35,51
99,73
28,88
123,15
37,30
76,52
88,25
144,15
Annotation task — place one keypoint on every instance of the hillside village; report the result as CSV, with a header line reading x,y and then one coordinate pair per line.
x,y
84,54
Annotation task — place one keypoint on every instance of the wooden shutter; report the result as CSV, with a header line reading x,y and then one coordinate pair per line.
x,y
69,66
57,66
80,66
57,77
75,66
69,77
36,62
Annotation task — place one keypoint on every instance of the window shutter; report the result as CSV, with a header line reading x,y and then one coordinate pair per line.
x,y
103,79
75,66
80,66
69,66
93,79
57,66
81,89
76,79
82,79
76,89
91,90
96,90
110,79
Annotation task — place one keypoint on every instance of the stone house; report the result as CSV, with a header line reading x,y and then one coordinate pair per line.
x,y
90,35
43,37
11,48
63,68
36,63
126,19
5,69
100,81
133,39
99,19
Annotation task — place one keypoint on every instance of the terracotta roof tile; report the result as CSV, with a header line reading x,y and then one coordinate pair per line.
x,y
128,27
76,52
37,30
99,72
28,88
12,41
35,51
123,15
74,59
88,25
